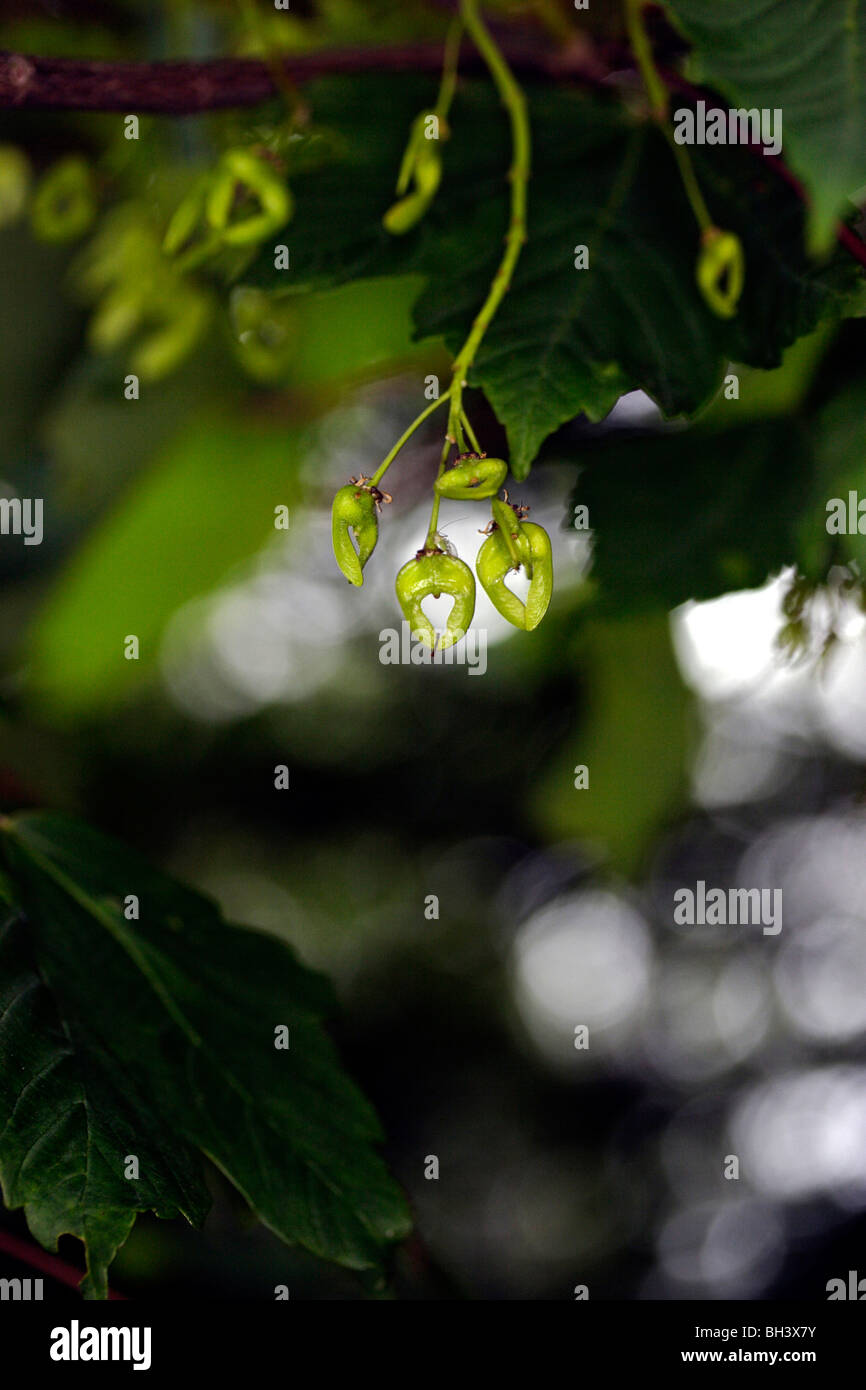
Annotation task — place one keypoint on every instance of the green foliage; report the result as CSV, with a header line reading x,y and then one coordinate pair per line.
x,y
156,1038
346,183
634,737
693,515
565,340
568,341
176,533
806,58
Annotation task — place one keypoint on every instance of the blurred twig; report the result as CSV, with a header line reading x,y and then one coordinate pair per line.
x,y
183,88
50,1265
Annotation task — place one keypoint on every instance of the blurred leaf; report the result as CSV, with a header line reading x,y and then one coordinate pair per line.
x,y
97,440
634,741
352,329
839,448
36,334
806,58
327,336
207,504
565,340
689,515
764,394
101,1014
336,233
69,1120
695,513
788,292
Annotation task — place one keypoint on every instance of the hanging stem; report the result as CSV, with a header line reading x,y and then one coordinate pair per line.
x,y
642,50
450,59
659,99
282,82
470,431
690,184
434,515
390,457
445,96
515,103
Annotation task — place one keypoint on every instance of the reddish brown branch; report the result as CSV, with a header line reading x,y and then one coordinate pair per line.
x,y
178,89
36,1258
852,243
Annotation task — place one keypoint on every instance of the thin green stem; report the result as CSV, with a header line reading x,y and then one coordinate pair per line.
x,y
642,50
450,60
284,85
434,515
470,431
407,435
690,184
515,103
659,99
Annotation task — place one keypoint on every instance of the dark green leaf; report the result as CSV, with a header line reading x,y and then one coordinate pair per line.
x,y
694,513
565,341
688,515
162,1031
69,1120
568,340
806,58
336,233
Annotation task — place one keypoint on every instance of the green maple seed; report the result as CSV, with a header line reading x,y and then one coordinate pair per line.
x,y
509,531
354,509
244,169
473,476
118,314
265,331
432,572
64,204
426,168
186,217
179,323
413,152
495,561
721,271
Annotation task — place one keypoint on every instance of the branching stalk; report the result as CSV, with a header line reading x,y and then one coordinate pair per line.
x,y
659,99
515,103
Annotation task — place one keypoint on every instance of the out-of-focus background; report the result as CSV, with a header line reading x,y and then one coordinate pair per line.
x,y
709,754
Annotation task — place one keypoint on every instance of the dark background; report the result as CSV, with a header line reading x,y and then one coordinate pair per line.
x,y
709,758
